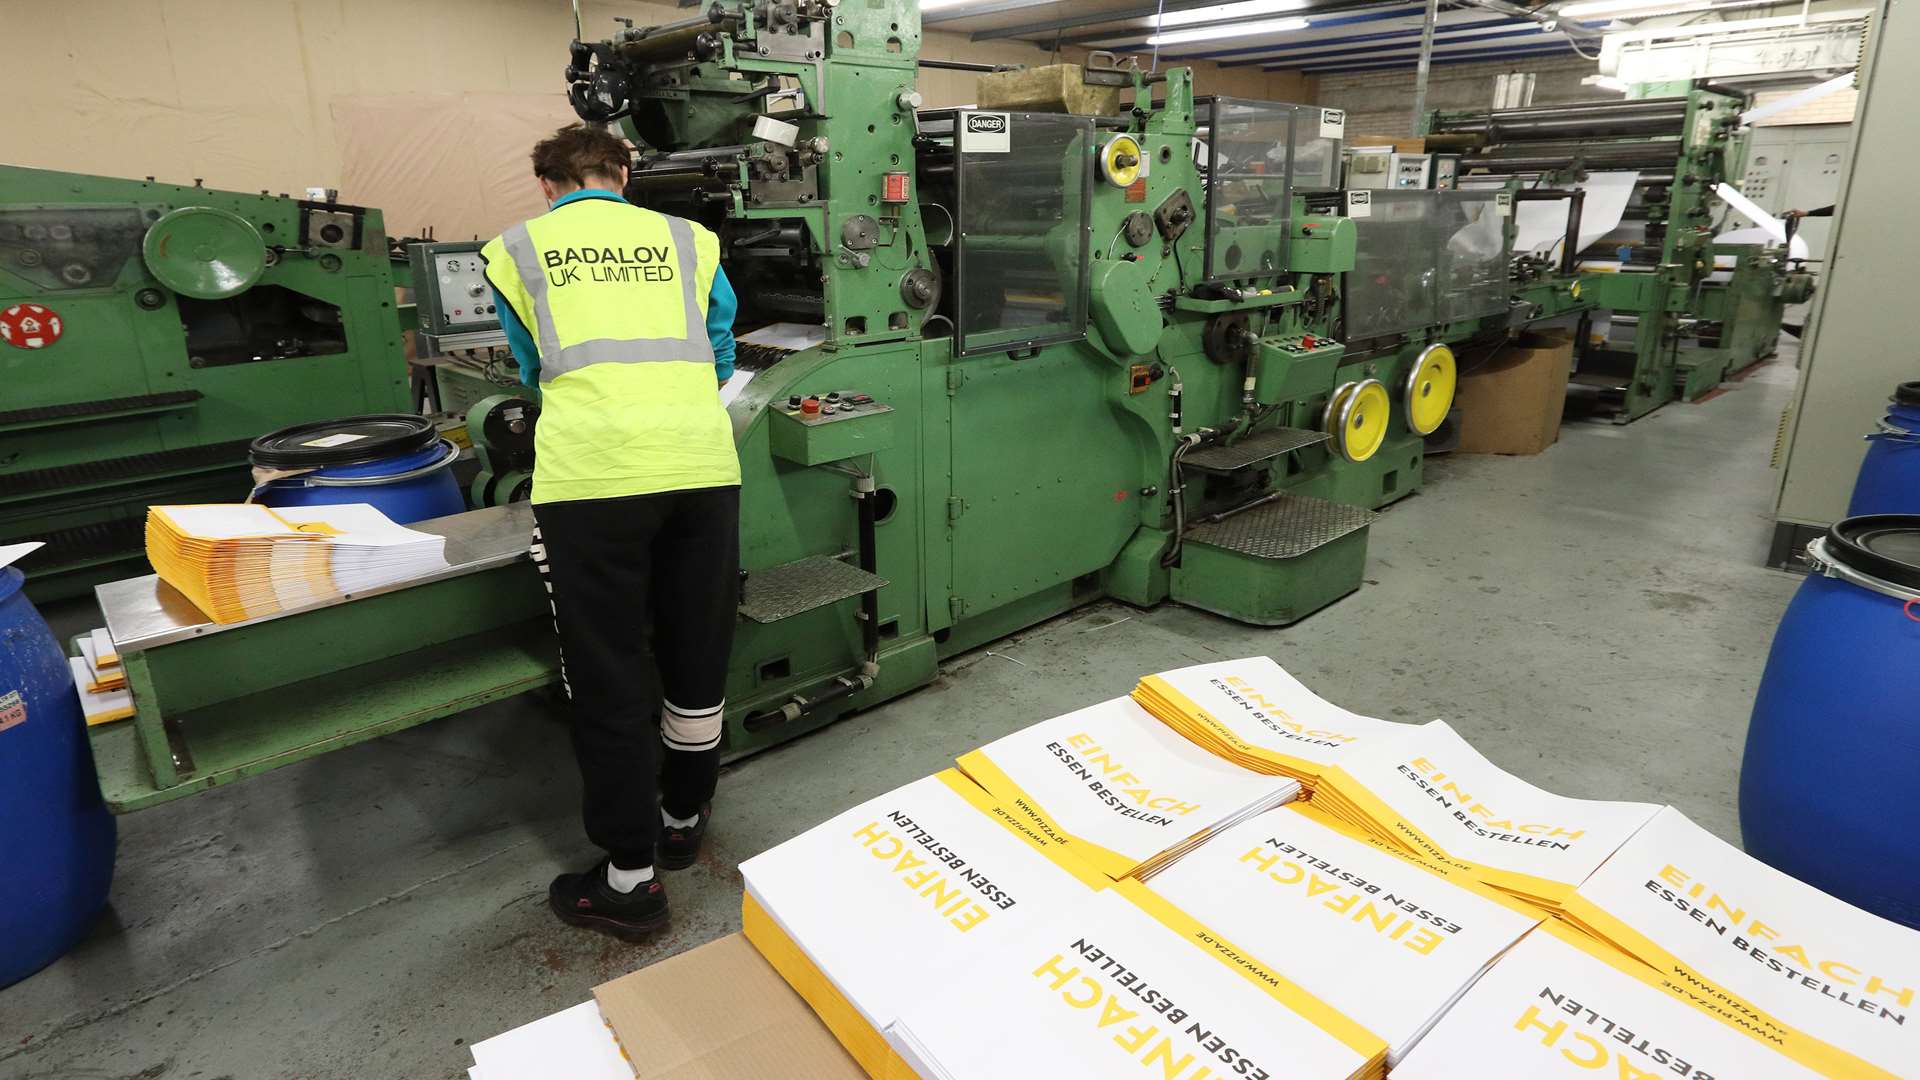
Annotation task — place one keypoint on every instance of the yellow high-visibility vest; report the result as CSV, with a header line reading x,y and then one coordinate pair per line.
x,y
615,296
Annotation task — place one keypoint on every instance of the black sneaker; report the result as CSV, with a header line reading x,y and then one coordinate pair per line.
x,y
679,847
587,900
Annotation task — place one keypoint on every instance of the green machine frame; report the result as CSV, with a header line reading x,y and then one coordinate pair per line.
x,y
1052,361
162,369
1689,330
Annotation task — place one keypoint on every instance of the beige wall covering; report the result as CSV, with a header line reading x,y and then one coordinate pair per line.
x,y
423,108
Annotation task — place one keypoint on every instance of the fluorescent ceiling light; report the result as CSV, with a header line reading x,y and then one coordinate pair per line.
x,y
1633,8
1225,11
1210,33
935,5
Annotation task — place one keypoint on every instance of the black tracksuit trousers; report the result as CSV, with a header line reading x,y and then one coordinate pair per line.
x,y
633,581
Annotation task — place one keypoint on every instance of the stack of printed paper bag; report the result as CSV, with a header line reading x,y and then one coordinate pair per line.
x,y
1426,790
1561,1006
1254,714
1830,985
1118,788
242,561
1377,936
874,909
1104,990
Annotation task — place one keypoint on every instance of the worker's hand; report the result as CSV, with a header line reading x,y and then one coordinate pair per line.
x,y
1794,214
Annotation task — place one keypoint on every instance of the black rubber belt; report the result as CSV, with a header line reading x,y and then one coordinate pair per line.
x,y
79,409
118,470
84,544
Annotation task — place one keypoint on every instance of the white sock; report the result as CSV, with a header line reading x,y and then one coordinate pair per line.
x,y
678,823
625,881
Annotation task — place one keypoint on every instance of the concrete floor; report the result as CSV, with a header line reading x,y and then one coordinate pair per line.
x,y
1594,619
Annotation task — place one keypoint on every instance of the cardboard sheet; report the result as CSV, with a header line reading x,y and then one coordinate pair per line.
x,y
719,1012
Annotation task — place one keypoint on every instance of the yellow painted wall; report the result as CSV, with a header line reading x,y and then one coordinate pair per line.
x,y
423,108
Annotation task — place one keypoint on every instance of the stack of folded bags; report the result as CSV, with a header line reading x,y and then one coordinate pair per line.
x,y
1135,888
239,561
100,679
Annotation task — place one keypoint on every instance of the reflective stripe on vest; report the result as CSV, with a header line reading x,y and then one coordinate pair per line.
x,y
556,361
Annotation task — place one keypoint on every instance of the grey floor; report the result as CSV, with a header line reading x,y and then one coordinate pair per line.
x,y
1594,619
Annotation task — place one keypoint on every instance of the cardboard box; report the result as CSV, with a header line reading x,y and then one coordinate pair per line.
x,y
1511,403
1059,88
719,1012
1416,145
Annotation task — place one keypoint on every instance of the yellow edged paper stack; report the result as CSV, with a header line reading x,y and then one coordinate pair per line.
x,y
1103,990
1382,939
104,672
1829,985
1254,714
241,561
869,912
1430,792
99,706
1560,1006
1119,789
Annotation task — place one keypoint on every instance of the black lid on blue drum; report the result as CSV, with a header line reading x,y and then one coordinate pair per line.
x,y
1885,546
354,440
1907,393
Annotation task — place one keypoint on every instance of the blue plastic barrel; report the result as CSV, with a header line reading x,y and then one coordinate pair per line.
x,y
1830,787
56,837
396,462
1889,480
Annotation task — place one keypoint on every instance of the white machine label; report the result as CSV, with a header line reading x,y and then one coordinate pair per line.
x,y
986,133
1359,203
1503,204
338,439
1333,123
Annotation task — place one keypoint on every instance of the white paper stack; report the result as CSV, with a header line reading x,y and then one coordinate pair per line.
x,y
867,913
1561,1006
574,1043
1377,937
1124,792
1836,988
242,561
1105,990
1257,716
1431,793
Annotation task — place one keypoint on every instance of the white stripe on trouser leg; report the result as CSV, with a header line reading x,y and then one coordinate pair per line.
x,y
538,552
691,729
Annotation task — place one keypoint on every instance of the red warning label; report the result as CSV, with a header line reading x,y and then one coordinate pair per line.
x,y
30,326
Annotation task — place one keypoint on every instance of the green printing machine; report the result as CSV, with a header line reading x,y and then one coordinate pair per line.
x,y
997,364
149,331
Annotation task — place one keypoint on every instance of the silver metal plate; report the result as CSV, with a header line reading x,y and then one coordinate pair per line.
x,y
801,586
1285,528
145,612
1252,450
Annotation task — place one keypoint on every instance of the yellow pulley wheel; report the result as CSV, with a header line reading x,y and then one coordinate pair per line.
x,y
1120,160
1430,388
1361,420
1330,420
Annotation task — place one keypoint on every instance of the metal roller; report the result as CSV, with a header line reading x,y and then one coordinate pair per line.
x,y
668,41
1655,116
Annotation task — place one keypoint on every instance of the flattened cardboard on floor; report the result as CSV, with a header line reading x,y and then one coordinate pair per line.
x,y
719,1012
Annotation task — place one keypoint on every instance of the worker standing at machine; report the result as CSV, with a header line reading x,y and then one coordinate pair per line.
x,y
623,318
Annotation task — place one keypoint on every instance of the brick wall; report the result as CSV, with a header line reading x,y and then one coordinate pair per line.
x,y
1381,102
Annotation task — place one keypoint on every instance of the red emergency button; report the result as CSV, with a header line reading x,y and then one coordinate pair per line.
x,y
1306,341
810,407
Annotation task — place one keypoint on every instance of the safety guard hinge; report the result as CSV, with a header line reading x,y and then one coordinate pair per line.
x,y
955,376
955,507
957,606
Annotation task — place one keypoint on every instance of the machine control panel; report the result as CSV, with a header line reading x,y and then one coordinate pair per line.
x,y
450,287
831,407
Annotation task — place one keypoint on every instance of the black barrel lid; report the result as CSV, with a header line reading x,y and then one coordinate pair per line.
x,y
1885,546
1907,393
351,441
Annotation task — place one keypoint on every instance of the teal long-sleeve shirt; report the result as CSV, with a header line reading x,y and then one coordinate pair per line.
x,y
722,306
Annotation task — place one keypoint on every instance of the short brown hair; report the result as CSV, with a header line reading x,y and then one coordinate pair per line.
x,y
577,152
